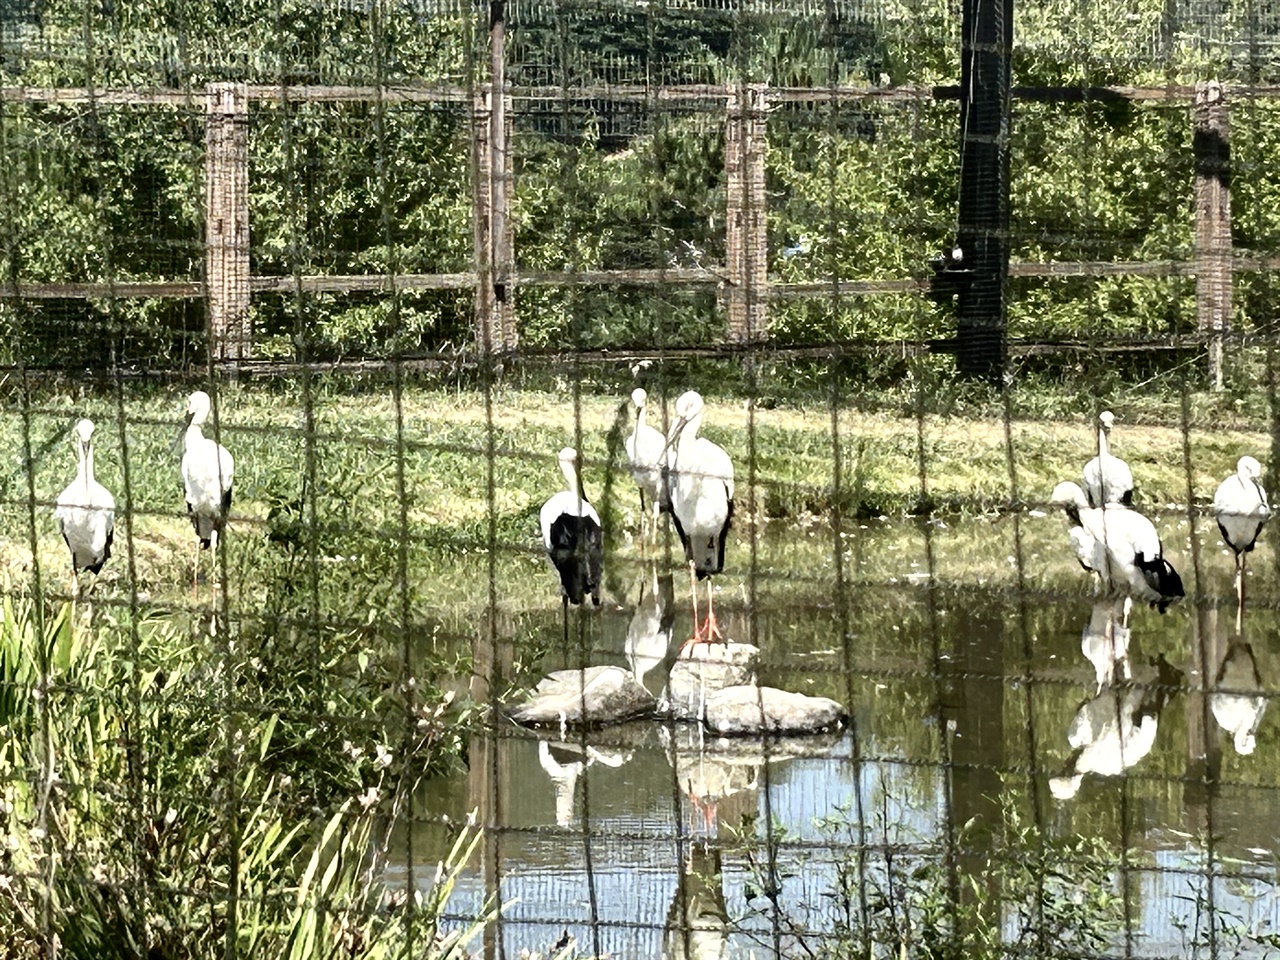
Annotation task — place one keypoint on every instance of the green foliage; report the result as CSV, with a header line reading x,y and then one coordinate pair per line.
x,y
996,890
858,191
142,817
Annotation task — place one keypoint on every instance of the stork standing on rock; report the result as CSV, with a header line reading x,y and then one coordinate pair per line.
x,y
700,486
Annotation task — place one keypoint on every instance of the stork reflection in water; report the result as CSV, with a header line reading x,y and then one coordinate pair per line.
x,y
1114,730
1105,643
652,625
1237,700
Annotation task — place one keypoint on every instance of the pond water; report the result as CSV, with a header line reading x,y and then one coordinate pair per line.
x,y
995,785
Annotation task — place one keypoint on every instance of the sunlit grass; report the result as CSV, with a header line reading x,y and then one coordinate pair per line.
x,y
375,500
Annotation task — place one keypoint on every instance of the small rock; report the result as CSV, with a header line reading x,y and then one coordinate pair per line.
x,y
750,710
705,668
591,697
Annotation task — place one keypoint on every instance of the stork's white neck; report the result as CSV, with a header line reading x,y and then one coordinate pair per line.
x,y
86,464
1104,445
571,477
689,435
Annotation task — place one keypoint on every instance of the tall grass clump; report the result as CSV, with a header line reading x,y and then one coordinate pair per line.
x,y
997,889
149,807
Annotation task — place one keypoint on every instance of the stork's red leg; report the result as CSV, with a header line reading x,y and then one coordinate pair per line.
x,y
712,628
693,593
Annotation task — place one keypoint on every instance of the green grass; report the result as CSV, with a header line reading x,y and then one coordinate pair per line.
x,y
396,509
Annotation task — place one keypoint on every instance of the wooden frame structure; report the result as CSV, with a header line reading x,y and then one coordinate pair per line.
x,y
744,286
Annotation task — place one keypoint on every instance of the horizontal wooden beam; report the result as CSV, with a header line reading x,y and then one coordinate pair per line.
x,y
712,275
268,94
118,290
455,361
1105,268
363,283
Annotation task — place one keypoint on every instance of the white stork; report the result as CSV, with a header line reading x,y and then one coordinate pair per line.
x,y
1122,547
573,536
1240,507
208,471
700,487
1107,479
86,512
645,449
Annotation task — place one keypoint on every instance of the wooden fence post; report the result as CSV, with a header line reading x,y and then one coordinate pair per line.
x,y
1212,147
494,250
226,193
746,222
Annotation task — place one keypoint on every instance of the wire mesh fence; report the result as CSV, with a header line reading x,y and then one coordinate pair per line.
x,y
393,258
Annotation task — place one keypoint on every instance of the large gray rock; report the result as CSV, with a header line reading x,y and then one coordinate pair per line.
x,y
703,669
591,697
748,710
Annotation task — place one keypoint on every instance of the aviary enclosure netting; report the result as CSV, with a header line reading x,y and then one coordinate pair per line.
x,y
907,252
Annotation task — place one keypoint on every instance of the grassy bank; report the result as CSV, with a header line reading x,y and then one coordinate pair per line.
x,y
362,475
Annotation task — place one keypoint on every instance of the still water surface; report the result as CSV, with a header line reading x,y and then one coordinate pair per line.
x,y
973,660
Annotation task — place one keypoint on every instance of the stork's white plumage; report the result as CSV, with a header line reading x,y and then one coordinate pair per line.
x,y
1121,546
208,472
1107,478
700,488
573,536
646,453
1241,508
86,511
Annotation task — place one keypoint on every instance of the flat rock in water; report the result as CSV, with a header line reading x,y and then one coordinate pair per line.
x,y
704,669
748,710
590,697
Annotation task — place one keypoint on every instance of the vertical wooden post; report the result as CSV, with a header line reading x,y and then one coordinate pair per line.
x,y
1212,147
495,260
746,226
226,193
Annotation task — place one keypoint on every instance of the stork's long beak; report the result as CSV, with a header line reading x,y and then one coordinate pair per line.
x,y
182,432
676,427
